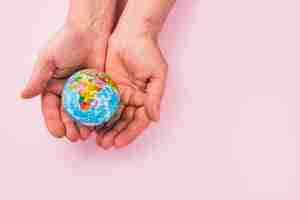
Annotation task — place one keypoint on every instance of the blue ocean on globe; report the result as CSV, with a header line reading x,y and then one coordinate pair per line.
x,y
97,106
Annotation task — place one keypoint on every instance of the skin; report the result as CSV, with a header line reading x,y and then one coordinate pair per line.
x,y
136,63
81,42
131,55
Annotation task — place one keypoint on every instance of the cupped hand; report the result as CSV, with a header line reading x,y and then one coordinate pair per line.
x,y
70,50
139,68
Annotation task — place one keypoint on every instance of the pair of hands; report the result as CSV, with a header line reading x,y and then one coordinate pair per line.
x,y
134,62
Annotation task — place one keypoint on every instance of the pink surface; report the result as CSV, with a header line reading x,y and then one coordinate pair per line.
x,y
231,117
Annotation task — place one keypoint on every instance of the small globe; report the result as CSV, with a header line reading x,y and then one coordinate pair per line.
x,y
90,97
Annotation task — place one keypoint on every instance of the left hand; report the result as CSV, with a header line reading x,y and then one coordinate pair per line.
x,y
139,68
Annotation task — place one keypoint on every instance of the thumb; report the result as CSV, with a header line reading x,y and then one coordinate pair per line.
x,y
42,73
156,82
155,90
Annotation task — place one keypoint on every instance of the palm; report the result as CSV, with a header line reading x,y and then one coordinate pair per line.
x,y
66,53
139,70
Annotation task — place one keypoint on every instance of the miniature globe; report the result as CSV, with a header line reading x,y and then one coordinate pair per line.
x,y
90,97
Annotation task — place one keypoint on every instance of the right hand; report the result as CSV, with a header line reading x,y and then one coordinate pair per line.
x,y
70,50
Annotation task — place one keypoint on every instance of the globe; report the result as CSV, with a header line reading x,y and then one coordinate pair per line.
x,y
90,97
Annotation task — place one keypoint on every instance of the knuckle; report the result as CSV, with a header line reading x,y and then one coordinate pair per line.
x,y
115,42
56,132
163,70
51,115
67,121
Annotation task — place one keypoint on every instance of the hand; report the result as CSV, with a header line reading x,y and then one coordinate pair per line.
x,y
71,49
138,67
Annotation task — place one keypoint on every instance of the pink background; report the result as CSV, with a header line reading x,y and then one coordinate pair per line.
x,y
230,125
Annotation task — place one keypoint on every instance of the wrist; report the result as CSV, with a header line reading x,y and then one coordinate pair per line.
x,y
138,28
95,16
144,18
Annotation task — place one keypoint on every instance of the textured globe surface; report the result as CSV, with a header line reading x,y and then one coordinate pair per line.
x,y
90,97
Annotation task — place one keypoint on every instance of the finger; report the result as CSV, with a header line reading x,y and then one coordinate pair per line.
x,y
72,132
65,72
120,8
84,132
108,126
104,128
51,113
155,90
99,131
112,60
137,99
97,55
55,86
134,129
157,66
99,138
131,96
127,117
42,72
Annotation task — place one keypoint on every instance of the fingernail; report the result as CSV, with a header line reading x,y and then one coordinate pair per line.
x,y
22,96
73,140
83,138
157,117
99,144
94,132
118,144
106,148
106,144
157,113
